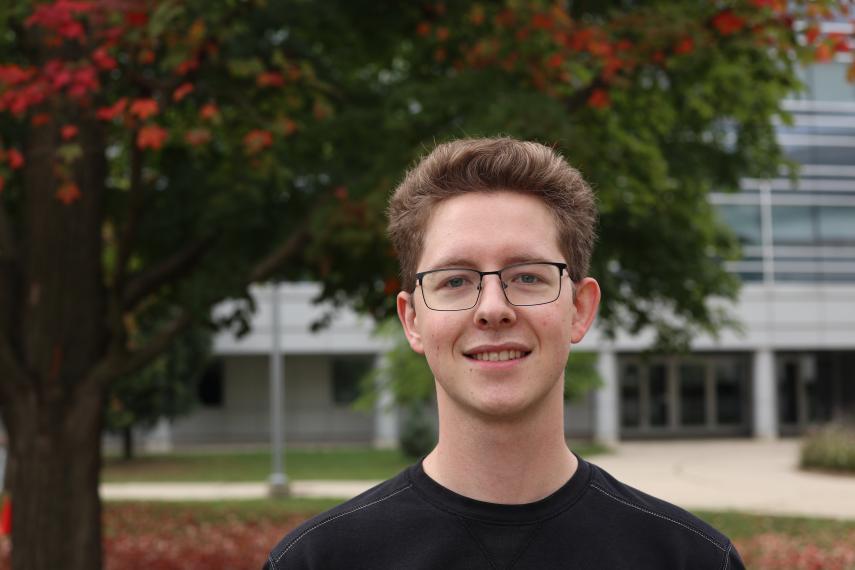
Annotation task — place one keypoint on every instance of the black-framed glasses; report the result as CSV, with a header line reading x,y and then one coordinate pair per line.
x,y
524,285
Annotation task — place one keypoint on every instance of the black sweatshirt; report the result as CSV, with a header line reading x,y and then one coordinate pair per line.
x,y
593,522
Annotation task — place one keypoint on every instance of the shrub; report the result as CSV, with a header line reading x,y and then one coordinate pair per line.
x,y
418,436
831,447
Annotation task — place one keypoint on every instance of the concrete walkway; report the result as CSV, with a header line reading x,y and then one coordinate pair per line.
x,y
745,475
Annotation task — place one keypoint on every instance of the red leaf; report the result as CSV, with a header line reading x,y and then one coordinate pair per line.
x,y
197,137
187,66
182,91
68,132
59,16
14,158
287,126
541,22
40,119
839,42
555,61
823,53
14,74
151,136
144,108
811,33
423,29
109,113
209,111
2,183
83,80
103,60
136,19
599,99
68,193
727,23
257,140
269,79
685,46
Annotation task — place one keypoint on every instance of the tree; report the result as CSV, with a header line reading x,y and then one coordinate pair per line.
x,y
163,389
159,156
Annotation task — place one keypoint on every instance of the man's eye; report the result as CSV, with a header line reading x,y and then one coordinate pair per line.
x,y
455,282
528,279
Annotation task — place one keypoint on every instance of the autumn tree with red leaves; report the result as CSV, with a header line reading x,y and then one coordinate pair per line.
x,y
158,156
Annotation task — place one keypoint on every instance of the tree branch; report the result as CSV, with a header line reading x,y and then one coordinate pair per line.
x,y
169,269
121,361
274,260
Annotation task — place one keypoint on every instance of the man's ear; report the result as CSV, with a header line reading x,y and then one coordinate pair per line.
x,y
407,315
586,301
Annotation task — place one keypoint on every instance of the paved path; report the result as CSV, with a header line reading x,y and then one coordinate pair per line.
x,y
760,477
742,475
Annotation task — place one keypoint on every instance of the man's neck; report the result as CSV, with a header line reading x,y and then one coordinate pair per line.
x,y
507,462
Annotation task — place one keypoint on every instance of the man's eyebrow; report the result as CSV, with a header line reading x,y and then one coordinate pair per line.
x,y
466,262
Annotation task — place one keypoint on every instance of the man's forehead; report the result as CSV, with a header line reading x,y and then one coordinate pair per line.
x,y
498,227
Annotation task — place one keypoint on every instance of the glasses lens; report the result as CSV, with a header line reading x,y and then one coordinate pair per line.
x,y
451,289
532,284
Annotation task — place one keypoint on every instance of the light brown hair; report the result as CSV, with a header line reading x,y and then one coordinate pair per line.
x,y
485,165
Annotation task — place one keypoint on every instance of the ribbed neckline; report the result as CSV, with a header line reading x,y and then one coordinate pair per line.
x,y
537,511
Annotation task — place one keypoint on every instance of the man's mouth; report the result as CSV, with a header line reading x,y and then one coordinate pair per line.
x,y
498,356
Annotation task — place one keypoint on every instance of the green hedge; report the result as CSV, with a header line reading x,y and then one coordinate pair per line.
x,y
831,447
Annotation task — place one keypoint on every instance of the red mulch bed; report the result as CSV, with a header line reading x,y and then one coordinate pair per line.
x,y
158,538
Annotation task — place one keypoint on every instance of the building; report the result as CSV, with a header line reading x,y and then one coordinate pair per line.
x,y
792,367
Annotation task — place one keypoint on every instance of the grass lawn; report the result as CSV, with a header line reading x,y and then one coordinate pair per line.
x,y
243,466
738,525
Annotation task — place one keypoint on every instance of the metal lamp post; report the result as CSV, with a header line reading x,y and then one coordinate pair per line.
x,y
278,479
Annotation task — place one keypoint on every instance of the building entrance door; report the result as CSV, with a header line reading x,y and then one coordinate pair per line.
x,y
690,396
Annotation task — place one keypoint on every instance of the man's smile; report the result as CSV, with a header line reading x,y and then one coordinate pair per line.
x,y
498,353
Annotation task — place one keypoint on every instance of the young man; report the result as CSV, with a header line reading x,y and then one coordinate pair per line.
x,y
494,237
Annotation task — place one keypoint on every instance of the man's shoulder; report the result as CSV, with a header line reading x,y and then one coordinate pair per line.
x,y
664,521
340,522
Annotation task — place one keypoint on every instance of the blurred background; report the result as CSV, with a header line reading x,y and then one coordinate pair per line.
x,y
196,290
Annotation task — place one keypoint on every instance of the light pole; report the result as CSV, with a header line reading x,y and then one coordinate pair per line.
x,y
278,479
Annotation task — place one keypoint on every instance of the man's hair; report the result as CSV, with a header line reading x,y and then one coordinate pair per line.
x,y
489,165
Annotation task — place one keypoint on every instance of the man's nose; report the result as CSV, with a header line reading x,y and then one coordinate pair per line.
x,y
493,307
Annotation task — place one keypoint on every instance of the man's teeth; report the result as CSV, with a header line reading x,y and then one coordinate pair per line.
x,y
498,356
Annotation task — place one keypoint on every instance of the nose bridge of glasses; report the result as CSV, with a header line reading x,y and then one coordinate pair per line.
x,y
498,275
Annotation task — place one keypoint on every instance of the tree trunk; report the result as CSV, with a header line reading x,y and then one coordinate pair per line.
x,y
56,514
52,401
127,443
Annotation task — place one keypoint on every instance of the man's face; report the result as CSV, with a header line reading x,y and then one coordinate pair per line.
x,y
487,232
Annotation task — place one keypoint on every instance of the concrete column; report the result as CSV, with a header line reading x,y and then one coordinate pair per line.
x,y
606,401
386,423
765,416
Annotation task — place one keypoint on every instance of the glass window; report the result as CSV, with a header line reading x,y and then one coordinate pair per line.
x,y
210,387
728,391
830,155
793,225
658,381
744,220
347,373
836,225
827,82
692,400
630,391
788,388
